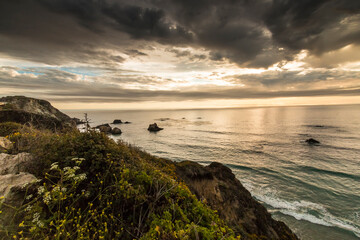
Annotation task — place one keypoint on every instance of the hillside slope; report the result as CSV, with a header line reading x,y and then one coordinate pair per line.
x,y
39,113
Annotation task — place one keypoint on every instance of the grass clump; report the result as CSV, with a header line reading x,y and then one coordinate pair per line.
x,y
8,128
94,188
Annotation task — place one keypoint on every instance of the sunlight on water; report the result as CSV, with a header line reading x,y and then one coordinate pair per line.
x,y
314,189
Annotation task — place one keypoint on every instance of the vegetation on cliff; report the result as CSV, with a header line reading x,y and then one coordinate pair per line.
x,y
91,187
34,112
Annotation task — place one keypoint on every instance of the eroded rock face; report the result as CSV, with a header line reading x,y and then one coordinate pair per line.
x,y
223,192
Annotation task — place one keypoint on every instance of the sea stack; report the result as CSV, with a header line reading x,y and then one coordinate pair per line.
x,y
154,128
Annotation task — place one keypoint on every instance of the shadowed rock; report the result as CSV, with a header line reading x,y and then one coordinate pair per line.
x,y
312,141
223,192
154,128
117,121
116,131
105,128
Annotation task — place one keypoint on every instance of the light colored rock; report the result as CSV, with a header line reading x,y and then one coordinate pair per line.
x,y
5,143
13,184
9,181
13,164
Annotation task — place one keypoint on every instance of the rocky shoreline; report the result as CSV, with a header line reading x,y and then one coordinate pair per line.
x,y
215,184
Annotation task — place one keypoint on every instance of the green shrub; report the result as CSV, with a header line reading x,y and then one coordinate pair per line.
x,y
94,188
8,128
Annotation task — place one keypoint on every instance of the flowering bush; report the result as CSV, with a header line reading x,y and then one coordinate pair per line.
x,y
94,188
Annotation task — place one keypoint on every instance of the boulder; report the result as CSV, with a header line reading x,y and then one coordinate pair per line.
x,y
127,122
8,181
312,141
105,128
13,188
5,144
14,164
154,128
117,121
14,182
116,131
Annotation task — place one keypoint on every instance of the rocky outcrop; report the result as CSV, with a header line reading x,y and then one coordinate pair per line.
x,y
312,141
5,144
154,128
223,192
36,112
14,179
14,164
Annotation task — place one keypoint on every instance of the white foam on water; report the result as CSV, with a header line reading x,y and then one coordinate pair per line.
x,y
300,210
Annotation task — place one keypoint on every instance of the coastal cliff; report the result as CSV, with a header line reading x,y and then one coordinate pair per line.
x,y
36,112
223,192
85,185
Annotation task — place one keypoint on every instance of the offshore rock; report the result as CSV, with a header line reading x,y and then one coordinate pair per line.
x,y
223,192
105,128
312,141
116,131
154,128
117,121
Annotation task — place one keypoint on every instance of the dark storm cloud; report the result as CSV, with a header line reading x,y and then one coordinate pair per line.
x,y
248,33
319,26
187,54
295,79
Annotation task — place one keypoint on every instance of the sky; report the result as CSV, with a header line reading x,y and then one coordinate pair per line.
x,y
164,54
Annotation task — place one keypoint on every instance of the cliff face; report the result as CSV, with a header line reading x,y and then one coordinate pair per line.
x,y
39,113
223,192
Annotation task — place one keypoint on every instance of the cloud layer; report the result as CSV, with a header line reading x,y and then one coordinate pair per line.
x,y
141,50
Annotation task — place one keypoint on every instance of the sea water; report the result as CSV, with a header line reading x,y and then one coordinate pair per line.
x,y
314,189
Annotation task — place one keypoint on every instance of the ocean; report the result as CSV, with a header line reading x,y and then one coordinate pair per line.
x,y
314,189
